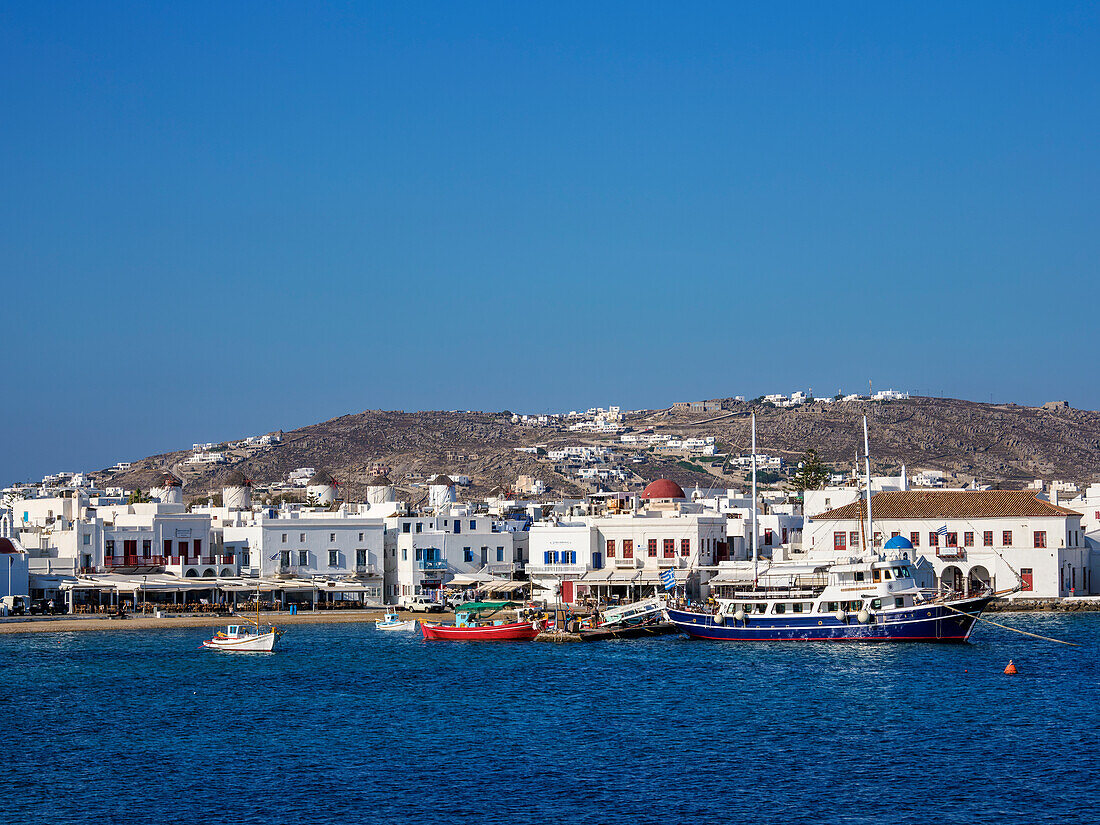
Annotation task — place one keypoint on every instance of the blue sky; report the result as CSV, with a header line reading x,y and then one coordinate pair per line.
x,y
222,219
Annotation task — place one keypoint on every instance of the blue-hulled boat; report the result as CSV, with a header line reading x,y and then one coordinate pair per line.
x,y
858,600
874,601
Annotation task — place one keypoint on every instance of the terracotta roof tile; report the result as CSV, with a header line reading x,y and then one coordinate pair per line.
x,y
947,504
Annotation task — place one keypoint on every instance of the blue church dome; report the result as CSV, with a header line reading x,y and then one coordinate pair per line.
x,y
899,543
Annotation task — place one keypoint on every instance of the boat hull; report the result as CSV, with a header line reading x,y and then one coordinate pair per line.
x,y
921,623
264,643
411,625
514,632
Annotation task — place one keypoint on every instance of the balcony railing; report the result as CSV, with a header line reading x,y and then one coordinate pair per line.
x,y
134,561
425,564
954,553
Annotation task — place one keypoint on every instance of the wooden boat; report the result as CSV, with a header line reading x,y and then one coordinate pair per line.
x,y
474,622
246,638
394,622
252,637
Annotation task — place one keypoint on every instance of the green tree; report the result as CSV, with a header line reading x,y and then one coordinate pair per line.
x,y
813,473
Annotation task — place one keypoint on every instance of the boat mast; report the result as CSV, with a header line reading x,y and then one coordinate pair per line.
x,y
867,458
755,556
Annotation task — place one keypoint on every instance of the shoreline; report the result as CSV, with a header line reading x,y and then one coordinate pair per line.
x,y
69,624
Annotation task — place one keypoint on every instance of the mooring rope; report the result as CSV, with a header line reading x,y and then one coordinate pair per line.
x,y
1013,629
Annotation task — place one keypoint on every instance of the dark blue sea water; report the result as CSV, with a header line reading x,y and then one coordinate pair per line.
x,y
348,724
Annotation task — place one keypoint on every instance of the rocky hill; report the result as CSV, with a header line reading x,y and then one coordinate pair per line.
x,y
1006,445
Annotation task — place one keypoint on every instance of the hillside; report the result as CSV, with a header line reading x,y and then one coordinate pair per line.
x,y
1005,445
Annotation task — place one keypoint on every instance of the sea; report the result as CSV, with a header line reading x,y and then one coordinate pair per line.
x,y
348,724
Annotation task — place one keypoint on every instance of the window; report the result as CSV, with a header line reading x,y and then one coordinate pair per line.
x,y
1026,574
670,548
1040,538
500,554
861,575
933,539
245,558
333,558
419,527
109,547
331,537
473,524
546,557
147,547
685,547
467,554
895,533
899,602
420,554
968,539
284,538
404,554
628,548
1006,538
484,554
360,558
652,548
360,537
611,548
987,538
853,538
303,558
767,538
198,547
167,547
87,538
597,561
284,558
914,539
784,539
877,538
780,608
407,528
839,540
952,539
458,526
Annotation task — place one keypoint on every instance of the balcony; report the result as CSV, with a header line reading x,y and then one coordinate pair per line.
x,y
134,561
560,569
619,561
952,553
426,564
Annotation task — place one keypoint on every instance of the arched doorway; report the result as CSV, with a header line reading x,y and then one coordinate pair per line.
x,y
190,574
979,579
951,579
208,573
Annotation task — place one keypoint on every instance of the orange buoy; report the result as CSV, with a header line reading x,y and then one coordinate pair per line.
x,y
1011,669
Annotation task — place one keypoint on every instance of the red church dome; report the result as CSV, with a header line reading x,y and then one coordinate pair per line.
x,y
663,488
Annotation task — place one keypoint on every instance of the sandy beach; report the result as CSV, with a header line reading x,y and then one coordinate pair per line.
x,y
67,624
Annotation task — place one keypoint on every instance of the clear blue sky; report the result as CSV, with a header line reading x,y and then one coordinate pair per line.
x,y
221,219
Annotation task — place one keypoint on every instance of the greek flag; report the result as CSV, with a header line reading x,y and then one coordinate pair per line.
x,y
943,530
275,556
668,579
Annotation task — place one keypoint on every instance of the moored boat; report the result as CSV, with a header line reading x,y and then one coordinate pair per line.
x,y
476,622
245,638
859,601
392,621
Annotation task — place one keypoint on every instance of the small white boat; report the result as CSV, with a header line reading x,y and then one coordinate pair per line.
x,y
247,638
393,622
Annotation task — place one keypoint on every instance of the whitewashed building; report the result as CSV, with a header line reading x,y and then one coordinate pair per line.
x,y
997,538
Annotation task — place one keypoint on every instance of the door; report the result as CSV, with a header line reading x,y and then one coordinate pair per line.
x,y
1028,578
567,592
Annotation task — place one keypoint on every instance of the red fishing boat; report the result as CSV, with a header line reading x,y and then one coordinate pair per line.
x,y
474,623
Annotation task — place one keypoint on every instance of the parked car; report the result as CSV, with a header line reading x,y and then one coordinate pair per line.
x,y
13,605
44,607
420,604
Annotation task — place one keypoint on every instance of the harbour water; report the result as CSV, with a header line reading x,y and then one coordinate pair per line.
x,y
346,723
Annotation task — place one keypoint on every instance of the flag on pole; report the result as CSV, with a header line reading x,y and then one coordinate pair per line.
x,y
943,530
275,557
668,579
